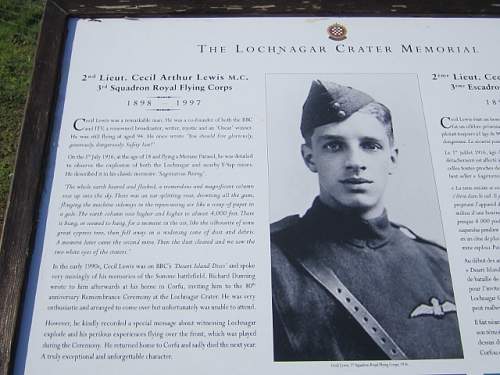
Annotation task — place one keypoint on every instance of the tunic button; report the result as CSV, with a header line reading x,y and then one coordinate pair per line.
x,y
341,114
336,105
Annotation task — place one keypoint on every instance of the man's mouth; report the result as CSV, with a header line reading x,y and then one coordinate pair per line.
x,y
356,181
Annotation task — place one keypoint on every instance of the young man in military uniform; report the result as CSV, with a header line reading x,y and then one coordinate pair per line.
x,y
347,283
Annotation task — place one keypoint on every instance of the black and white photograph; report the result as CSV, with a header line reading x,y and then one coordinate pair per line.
x,y
359,261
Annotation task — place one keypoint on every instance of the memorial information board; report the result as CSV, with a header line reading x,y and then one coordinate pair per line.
x,y
278,195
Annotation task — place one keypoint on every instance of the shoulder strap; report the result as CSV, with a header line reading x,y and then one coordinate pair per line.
x,y
284,223
330,281
411,234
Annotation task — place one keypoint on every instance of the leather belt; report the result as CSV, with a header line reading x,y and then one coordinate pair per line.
x,y
330,281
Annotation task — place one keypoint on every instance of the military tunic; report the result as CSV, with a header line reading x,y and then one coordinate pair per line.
x,y
389,272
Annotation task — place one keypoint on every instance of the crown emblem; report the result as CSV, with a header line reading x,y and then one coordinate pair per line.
x,y
337,31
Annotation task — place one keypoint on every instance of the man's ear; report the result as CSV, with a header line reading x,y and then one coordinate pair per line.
x,y
307,155
394,159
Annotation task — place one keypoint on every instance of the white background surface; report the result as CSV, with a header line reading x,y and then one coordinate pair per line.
x,y
169,46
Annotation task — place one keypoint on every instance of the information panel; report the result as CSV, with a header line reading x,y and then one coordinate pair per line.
x,y
282,195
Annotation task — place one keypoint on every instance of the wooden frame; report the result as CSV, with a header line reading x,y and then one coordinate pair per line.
x,y
21,219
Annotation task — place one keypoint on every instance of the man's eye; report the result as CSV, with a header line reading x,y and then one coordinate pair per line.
x,y
332,146
371,146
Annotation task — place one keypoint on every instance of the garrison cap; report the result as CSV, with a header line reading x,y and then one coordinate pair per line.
x,y
329,102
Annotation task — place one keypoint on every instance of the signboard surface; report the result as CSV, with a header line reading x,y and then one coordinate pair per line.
x,y
178,142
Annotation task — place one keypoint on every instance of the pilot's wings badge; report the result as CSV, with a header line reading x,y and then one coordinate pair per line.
x,y
435,309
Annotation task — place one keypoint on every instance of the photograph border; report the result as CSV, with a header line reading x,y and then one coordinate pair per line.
x,y
288,97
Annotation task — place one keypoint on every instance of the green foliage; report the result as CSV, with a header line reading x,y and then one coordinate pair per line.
x,y
19,26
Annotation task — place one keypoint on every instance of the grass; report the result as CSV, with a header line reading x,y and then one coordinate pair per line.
x,y
19,26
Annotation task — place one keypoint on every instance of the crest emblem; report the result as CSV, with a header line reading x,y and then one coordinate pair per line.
x,y
435,309
337,32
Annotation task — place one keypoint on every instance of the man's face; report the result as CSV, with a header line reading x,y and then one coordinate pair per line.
x,y
353,159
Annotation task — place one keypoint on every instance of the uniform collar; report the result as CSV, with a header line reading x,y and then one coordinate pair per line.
x,y
327,223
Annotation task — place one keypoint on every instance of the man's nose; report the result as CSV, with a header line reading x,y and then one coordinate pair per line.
x,y
355,160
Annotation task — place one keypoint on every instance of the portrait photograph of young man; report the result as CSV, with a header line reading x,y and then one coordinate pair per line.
x,y
358,260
